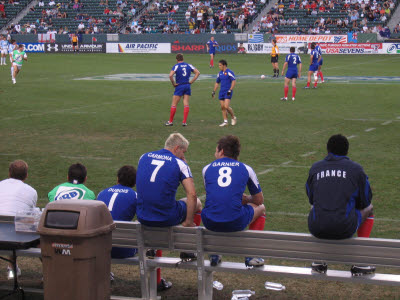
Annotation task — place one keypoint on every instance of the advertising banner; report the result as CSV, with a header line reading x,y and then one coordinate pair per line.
x,y
351,48
67,48
391,48
138,48
33,47
202,48
311,38
266,48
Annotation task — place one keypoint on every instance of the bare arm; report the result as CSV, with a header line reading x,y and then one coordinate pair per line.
x,y
233,85
256,199
311,57
196,75
171,77
284,67
299,70
191,201
215,88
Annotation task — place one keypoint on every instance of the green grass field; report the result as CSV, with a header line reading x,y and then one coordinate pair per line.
x,y
52,120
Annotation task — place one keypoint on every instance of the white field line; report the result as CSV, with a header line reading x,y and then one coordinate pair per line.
x,y
86,157
266,171
9,154
308,154
285,166
350,65
369,129
287,162
351,137
370,120
386,123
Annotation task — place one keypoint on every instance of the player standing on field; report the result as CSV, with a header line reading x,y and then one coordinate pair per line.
x,y
318,48
211,45
18,58
314,62
291,62
227,208
274,58
4,49
227,80
182,84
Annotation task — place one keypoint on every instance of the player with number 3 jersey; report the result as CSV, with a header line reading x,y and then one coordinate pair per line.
x,y
227,208
182,82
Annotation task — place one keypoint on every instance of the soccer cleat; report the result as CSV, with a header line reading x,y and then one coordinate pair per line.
x,y
185,256
215,259
10,273
362,270
223,124
169,123
284,98
293,99
164,285
233,121
314,87
184,124
151,253
14,81
253,262
306,87
319,267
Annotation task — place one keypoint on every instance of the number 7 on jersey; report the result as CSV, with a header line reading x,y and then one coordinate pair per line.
x,y
159,164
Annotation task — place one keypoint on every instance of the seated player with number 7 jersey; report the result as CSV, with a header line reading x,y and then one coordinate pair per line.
x,y
227,208
159,175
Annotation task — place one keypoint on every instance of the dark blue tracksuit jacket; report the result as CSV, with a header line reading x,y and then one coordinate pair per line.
x,y
336,187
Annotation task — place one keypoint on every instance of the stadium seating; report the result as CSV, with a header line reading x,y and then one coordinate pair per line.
x,y
12,10
307,21
267,244
90,9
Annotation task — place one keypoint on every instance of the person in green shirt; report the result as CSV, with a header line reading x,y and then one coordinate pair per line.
x,y
74,188
18,58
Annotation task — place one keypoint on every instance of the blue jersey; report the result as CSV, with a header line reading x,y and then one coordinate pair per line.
x,y
293,60
225,181
121,201
212,45
315,56
4,44
182,72
158,176
225,78
318,49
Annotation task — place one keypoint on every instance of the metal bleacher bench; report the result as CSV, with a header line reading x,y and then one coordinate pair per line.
x,y
266,244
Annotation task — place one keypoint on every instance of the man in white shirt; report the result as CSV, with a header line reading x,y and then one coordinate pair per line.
x,y
15,195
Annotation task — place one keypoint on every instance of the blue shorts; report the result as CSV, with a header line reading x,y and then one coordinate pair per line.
x,y
313,67
212,52
239,224
183,89
291,74
123,252
224,95
174,219
321,62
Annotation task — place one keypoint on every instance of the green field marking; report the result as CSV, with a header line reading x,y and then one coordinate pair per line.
x,y
268,78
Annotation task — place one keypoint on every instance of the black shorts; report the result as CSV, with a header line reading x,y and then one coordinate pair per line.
x,y
74,43
274,59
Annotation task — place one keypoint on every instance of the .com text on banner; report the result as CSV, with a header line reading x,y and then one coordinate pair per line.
x,y
138,48
311,38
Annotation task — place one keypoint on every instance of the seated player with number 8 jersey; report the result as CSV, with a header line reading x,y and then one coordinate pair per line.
x,y
227,208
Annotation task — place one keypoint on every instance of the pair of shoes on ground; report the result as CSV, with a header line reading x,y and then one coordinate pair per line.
x,y
285,99
216,259
233,122
168,123
322,267
10,273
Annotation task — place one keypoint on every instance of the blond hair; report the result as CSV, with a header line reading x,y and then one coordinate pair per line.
x,y
176,139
